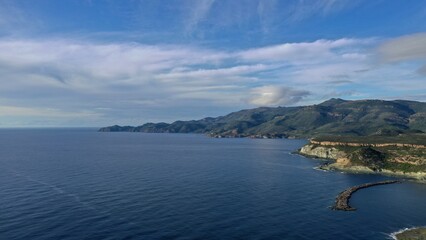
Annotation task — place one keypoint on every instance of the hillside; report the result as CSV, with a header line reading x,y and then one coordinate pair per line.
x,y
335,117
390,158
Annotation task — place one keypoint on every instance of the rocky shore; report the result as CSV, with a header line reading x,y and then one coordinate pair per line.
x,y
342,200
417,233
352,144
408,161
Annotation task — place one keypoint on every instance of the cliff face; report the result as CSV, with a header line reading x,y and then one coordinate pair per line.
x,y
326,152
406,161
329,143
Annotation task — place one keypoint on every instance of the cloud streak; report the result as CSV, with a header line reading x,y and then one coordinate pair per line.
x,y
219,15
13,111
410,47
276,96
94,80
301,10
303,51
199,10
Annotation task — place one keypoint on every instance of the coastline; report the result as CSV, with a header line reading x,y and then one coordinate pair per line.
x,y
369,160
418,177
330,160
409,233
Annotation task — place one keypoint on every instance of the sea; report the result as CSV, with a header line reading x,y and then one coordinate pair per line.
x,y
84,184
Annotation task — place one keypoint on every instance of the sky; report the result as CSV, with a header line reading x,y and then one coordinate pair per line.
x,y
92,63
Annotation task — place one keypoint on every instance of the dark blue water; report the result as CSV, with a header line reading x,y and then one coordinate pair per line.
x,y
81,184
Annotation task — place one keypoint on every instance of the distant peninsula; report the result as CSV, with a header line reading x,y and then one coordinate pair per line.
x,y
374,136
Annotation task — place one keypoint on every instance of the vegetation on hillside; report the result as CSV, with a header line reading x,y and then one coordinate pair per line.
x,y
393,158
412,234
335,117
408,138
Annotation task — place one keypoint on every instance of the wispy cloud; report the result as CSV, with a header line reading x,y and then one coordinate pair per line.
x,y
215,74
198,11
211,15
14,111
16,20
266,11
422,70
410,47
276,95
303,9
92,79
303,50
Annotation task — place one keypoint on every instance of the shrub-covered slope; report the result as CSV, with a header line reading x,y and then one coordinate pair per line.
x,y
332,117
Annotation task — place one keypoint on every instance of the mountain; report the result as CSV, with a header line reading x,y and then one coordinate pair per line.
x,y
332,117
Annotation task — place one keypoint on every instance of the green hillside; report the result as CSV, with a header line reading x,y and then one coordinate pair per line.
x,y
335,117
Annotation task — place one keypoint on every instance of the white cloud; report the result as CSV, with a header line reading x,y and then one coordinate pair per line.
x,y
304,51
133,81
217,15
199,9
276,95
267,13
409,47
422,70
13,111
215,74
89,65
324,72
139,72
304,9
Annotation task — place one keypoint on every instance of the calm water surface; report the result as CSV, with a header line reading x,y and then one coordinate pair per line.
x,y
81,184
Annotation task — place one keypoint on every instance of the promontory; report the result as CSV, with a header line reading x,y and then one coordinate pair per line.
x,y
362,136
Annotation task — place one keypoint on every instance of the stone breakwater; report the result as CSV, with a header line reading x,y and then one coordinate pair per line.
x,y
328,143
342,200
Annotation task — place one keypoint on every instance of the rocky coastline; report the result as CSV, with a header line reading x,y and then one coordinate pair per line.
x,y
416,233
351,144
388,159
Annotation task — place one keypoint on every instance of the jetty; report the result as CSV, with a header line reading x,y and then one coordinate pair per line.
x,y
342,200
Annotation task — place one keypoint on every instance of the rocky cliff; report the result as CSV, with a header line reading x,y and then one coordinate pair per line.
x,y
406,161
318,151
329,143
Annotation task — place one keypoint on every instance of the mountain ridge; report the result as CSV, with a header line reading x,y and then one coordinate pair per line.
x,y
370,117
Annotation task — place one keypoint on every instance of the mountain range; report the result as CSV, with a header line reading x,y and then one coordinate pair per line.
x,y
334,117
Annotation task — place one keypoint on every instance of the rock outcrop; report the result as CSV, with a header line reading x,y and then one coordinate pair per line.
x,y
326,152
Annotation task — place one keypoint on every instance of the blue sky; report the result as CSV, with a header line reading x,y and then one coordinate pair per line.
x,y
95,63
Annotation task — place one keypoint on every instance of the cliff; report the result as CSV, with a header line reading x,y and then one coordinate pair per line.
x,y
328,143
394,159
326,152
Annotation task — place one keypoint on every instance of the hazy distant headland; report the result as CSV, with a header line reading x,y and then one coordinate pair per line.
x,y
360,136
